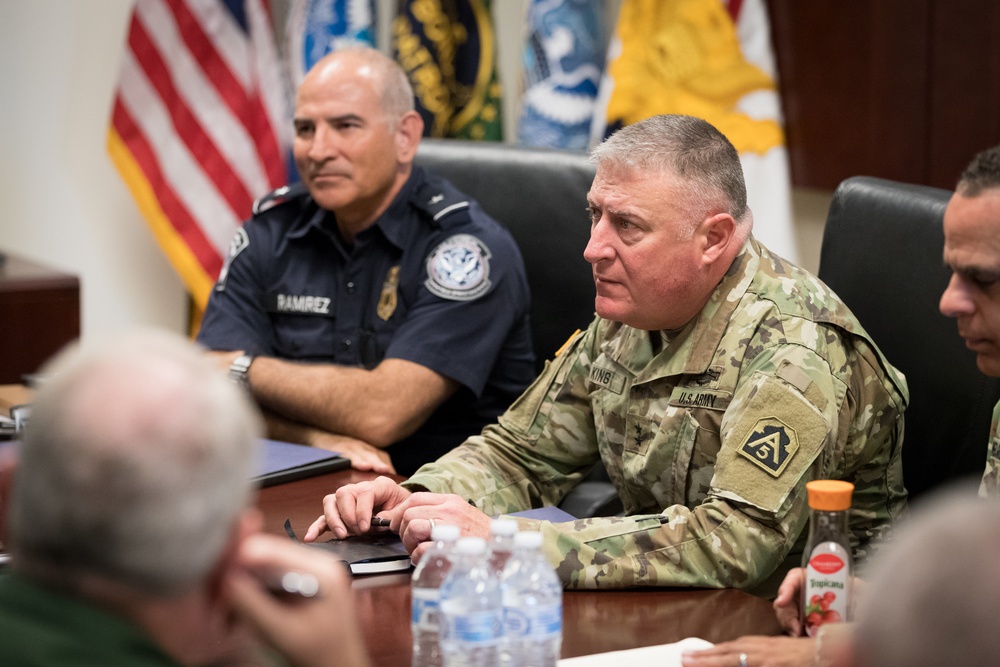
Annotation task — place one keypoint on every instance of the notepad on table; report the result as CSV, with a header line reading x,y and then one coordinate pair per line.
x,y
378,551
286,462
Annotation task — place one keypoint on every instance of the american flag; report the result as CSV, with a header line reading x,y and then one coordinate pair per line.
x,y
199,127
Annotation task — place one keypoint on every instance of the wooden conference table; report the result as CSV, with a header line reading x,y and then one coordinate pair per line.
x,y
593,621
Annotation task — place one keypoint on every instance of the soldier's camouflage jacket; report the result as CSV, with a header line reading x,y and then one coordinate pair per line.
x,y
709,433
990,486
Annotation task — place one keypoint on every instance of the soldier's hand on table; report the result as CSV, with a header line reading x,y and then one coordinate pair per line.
x,y
415,517
363,456
300,628
349,510
756,652
787,602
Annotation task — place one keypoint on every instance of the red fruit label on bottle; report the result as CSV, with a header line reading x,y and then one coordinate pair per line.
x,y
827,592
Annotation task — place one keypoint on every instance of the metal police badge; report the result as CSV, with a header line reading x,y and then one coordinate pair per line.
x,y
459,268
770,445
389,298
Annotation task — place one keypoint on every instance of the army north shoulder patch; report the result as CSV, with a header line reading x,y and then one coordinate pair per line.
x,y
770,445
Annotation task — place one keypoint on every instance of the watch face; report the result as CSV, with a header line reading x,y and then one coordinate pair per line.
x,y
238,369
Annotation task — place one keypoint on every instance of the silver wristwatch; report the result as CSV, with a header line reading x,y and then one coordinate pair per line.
x,y
238,370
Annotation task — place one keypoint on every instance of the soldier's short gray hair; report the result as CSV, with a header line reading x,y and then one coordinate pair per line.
x,y
689,147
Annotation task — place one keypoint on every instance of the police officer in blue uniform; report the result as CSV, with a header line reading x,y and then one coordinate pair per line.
x,y
375,307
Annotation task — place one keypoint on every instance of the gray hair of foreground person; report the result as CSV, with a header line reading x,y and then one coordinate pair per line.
x,y
135,467
689,147
933,595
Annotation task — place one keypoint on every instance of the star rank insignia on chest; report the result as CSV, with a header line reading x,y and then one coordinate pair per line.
x,y
770,445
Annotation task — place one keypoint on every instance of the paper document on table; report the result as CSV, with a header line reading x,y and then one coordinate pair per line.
x,y
664,655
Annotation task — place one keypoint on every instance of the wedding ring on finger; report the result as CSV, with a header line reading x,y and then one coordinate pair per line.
x,y
743,660
433,524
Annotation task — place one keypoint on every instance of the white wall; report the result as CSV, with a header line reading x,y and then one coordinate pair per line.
x,y
63,203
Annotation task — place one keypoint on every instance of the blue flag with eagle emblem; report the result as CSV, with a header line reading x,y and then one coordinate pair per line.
x,y
315,28
563,61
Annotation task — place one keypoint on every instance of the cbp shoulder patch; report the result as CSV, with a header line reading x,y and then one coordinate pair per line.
x,y
459,268
770,445
239,243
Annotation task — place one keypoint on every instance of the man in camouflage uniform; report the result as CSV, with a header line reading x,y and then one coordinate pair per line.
x,y
972,251
715,382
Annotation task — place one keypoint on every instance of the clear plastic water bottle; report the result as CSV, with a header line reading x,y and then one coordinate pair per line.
x,y
425,587
502,542
471,611
532,606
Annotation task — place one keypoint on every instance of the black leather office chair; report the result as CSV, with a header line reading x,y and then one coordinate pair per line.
x,y
881,253
540,195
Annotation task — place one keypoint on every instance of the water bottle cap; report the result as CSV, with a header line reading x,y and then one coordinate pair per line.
x,y
470,546
505,527
528,539
829,495
444,532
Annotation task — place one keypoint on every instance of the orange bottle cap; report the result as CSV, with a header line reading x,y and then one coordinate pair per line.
x,y
829,495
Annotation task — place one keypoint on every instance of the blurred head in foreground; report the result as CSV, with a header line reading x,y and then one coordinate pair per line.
x,y
933,594
133,489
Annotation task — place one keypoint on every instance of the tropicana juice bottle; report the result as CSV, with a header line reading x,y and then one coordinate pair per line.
x,y
826,593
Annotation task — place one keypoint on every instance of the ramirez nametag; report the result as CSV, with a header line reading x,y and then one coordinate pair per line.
x,y
301,304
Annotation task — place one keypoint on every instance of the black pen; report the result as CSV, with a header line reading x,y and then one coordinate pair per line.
x,y
378,521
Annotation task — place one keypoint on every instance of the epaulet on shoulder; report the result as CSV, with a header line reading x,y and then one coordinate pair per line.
x,y
275,197
569,343
439,203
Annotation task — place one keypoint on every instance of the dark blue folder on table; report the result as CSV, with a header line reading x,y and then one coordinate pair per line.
x,y
286,462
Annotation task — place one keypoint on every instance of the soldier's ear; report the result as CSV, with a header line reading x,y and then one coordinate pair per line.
x,y
716,233
411,128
